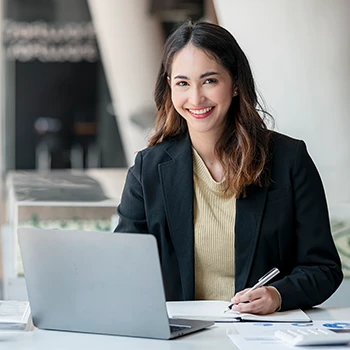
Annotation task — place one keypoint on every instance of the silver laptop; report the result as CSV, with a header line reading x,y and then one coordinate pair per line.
x,y
97,282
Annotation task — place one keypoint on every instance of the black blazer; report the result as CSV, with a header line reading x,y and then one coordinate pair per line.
x,y
285,225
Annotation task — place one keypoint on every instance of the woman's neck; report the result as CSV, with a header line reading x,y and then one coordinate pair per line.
x,y
205,147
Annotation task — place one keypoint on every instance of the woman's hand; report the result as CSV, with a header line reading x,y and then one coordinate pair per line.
x,y
261,301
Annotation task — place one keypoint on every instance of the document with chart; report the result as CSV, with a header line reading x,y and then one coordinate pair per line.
x,y
263,335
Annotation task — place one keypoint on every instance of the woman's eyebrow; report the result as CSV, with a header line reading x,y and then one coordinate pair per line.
x,y
207,74
181,77
204,75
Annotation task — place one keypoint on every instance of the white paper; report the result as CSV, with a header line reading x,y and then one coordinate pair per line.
x,y
261,335
212,310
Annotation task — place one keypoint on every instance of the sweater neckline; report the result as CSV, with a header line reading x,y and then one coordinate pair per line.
x,y
201,171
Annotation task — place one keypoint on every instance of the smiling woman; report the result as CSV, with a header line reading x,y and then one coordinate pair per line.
x,y
226,198
209,51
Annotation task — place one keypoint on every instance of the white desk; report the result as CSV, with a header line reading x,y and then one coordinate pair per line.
x,y
213,338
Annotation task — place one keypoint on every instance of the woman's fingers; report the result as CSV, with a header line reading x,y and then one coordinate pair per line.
x,y
241,297
263,300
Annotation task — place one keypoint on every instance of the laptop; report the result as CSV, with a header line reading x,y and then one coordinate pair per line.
x,y
98,282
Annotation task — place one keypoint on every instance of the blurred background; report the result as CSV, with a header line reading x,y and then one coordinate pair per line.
x,y
76,100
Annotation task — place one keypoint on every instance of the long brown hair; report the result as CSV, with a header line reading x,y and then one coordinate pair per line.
x,y
243,148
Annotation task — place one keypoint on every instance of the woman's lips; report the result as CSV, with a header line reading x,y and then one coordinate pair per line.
x,y
201,115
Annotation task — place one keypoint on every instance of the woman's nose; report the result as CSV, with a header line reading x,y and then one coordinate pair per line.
x,y
197,97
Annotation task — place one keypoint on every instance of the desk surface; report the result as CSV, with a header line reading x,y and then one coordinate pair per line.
x,y
213,338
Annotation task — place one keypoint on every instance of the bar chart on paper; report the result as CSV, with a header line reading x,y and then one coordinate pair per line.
x,y
262,335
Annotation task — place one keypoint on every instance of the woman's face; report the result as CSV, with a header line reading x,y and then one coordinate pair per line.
x,y
201,91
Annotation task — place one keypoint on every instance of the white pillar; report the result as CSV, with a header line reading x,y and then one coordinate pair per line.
x,y
130,42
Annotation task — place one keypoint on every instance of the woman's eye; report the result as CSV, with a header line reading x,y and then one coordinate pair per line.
x,y
182,83
210,81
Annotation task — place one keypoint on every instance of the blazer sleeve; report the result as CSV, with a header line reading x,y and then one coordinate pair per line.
x,y
131,210
317,272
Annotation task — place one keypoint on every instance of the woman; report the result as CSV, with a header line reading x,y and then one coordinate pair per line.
x,y
226,198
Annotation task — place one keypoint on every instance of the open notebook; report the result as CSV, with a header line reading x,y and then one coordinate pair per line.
x,y
214,310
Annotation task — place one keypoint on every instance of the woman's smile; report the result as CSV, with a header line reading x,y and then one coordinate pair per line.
x,y
201,113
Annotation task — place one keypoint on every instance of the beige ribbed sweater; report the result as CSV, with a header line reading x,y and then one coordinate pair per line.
x,y
214,220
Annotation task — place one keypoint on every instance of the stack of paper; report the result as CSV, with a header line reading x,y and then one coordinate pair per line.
x,y
14,315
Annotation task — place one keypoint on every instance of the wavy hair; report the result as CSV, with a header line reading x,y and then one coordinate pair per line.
x,y
243,148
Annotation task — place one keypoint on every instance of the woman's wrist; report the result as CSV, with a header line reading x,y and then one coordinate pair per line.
x,y
277,293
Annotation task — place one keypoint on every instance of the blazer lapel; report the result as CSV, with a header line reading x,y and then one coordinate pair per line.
x,y
177,184
249,213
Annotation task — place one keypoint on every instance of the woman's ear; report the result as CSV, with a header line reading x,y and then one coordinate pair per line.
x,y
169,82
235,91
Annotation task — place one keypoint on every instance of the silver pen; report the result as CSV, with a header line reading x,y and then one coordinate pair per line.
x,y
261,282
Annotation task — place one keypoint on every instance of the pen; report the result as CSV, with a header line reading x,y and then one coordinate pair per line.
x,y
262,281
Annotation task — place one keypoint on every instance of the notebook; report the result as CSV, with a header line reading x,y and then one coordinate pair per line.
x,y
98,282
214,310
